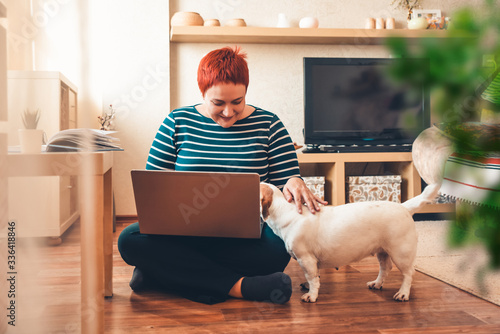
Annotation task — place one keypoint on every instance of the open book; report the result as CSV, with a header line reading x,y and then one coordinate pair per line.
x,y
83,140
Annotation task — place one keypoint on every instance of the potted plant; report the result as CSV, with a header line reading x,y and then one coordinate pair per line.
x,y
456,71
408,5
30,119
106,120
30,138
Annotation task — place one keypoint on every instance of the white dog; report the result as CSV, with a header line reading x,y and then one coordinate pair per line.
x,y
343,234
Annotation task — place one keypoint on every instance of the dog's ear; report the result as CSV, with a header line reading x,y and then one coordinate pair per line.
x,y
266,199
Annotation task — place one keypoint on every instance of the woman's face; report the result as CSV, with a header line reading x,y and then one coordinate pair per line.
x,y
225,103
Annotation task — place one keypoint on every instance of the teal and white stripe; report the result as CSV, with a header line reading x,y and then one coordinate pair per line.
x,y
189,141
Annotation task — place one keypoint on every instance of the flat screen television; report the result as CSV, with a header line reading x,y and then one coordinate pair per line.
x,y
354,101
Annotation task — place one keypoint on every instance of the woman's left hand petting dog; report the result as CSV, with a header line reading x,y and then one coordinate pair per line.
x,y
337,236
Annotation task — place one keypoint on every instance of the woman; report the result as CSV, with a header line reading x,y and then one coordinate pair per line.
x,y
222,134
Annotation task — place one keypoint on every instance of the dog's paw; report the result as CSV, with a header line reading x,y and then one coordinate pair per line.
x,y
304,286
309,298
374,285
402,296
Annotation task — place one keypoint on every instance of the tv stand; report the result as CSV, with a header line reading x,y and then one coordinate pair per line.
x,y
313,149
336,166
357,148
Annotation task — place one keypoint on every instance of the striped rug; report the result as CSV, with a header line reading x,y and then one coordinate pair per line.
x,y
472,179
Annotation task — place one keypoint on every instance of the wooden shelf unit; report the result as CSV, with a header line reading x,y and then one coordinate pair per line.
x,y
330,165
261,35
334,167
53,200
49,91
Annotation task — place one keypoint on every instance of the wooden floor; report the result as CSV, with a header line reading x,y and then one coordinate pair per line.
x,y
345,305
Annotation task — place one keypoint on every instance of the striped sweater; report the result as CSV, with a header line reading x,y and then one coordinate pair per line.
x,y
259,143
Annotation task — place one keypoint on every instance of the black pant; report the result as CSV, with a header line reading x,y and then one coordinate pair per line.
x,y
202,269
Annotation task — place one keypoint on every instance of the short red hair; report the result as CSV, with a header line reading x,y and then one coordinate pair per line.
x,y
224,65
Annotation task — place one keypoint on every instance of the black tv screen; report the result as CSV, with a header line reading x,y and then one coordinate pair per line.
x,y
354,101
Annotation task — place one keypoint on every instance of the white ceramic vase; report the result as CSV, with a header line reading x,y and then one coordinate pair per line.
x,y
308,22
30,140
418,23
283,22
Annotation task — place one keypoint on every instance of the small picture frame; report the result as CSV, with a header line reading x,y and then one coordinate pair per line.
x,y
426,13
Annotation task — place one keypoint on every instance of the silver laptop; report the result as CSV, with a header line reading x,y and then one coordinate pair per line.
x,y
197,203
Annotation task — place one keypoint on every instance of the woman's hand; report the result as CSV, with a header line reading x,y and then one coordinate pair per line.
x,y
296,189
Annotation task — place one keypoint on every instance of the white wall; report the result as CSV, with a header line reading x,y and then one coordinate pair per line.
x,y
136,83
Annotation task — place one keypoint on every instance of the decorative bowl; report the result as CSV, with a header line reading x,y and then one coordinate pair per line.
x,y
211,23
236,23
186,19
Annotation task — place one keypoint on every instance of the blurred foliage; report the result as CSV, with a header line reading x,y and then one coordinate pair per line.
x,y
456,78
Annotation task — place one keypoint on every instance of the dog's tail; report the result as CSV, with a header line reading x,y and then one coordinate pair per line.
x,y
427,196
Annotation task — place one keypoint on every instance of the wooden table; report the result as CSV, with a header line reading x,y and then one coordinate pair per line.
x,y
96,218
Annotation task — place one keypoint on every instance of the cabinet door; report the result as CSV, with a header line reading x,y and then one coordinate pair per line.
x,y
72,109
64,107
68,107
34,203
68,196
